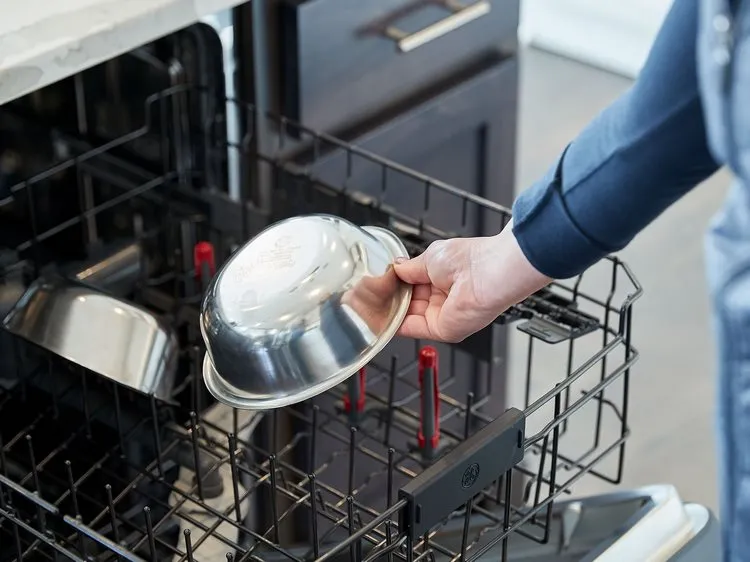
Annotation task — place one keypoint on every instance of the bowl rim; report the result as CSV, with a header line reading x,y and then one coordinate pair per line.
x,y
223,393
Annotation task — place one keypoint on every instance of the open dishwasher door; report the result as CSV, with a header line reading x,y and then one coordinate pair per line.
x,y
660,526
650,524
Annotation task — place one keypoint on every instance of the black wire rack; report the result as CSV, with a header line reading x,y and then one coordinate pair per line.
x,y
93,471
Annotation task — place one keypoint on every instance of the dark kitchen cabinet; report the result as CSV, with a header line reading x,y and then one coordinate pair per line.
x,y
464,136
345,61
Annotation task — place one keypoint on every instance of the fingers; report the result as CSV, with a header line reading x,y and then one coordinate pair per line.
x,y
413,271
421,293
420,300
415,327
418,307
420,319
415,324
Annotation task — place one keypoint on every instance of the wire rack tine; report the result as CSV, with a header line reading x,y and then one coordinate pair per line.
x,y
156,434
188,545
274,497
196,454
235,476
150,533
352,452
314,516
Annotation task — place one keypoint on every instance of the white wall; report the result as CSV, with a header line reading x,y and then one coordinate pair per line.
x,y
613,34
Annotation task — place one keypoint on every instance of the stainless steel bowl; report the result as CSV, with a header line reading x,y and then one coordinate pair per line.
x,y
299,309
100,332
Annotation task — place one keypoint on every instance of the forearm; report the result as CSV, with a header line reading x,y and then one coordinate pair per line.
x,y
634,160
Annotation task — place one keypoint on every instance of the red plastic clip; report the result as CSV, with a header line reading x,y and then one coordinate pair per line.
x,y
360,403
428,362
203,253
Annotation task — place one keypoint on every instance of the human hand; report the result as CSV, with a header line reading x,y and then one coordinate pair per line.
x,y
462,285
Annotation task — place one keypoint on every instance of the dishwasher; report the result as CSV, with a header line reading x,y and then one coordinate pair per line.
x,y
392,465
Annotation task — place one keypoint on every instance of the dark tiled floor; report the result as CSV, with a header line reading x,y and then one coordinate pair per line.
x,y
672,386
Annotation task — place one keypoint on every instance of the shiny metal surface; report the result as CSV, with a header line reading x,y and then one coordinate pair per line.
x,y
117,272
102,333
460,16
299,309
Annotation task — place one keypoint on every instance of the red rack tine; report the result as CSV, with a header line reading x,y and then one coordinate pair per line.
x,y
355,387
428,436
204,260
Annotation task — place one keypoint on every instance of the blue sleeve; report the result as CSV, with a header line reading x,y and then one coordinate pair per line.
x,y
635,159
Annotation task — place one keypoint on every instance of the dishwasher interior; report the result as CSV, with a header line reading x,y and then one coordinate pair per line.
x,y
118,178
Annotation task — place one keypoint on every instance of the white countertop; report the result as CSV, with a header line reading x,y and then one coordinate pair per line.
x,y
43,41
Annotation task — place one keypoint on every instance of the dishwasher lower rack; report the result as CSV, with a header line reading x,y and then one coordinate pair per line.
x,y
91,471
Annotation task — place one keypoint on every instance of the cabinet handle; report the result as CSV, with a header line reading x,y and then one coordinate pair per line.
x,y
460,16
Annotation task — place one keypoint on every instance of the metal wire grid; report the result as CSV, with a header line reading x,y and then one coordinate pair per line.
x,y
104,476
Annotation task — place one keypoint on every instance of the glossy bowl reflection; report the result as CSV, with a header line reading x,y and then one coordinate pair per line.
x,y
299,309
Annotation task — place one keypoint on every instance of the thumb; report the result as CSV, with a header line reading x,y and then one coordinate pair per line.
x,y
413,271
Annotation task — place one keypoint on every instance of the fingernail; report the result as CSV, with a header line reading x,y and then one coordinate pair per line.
x,y
401,260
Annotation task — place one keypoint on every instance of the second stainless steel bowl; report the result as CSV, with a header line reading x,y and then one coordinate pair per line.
x,y
102,333
299,309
